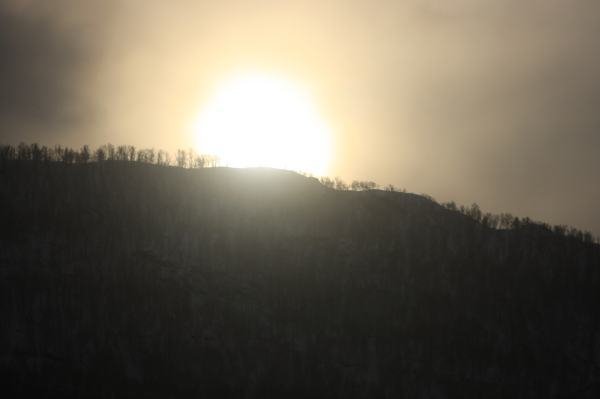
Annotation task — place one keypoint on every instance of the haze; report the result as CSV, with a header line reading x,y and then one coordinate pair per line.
x,y
494,102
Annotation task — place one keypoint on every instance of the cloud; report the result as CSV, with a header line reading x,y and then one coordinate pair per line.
x,y
43,62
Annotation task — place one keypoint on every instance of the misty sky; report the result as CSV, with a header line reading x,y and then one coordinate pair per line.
x,y
494,102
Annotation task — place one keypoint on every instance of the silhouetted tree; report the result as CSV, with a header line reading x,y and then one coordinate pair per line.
x,y
200,161
131,153
361,185
122,153
36,152
450,205
340,184
474,212
560,230
162,158
490,220
110,152
68,155
100,154
84,154
45,154
506,220
191,159
146,155
23,152
429,197
327,182
7,152
181,158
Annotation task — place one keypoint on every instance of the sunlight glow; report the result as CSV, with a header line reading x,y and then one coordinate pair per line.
x,y
262,120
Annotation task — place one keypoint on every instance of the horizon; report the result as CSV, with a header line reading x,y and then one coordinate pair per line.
x,y
471,101
190,160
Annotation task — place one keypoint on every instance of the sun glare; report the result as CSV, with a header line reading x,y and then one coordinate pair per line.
x,y
264,121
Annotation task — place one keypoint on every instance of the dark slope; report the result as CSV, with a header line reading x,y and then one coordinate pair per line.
x,y
125,279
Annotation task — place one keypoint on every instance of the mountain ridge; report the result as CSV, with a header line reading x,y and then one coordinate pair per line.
x,y
125,279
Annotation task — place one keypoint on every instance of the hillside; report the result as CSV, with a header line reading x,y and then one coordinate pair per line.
x,y
122,279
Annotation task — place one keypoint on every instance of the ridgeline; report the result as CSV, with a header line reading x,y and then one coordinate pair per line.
x,y
127,279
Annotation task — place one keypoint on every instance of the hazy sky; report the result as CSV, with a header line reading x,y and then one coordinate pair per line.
x,y
495,102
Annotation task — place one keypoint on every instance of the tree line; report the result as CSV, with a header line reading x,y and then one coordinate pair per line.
x,y
505,221
108,152
192,160
502,221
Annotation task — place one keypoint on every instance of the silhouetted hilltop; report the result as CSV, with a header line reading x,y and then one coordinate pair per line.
x,y
126,279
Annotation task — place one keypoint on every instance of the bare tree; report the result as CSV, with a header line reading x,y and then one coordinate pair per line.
x,y
360,185
181,158
506,221
100,154
199,162
84,154
122,154
23,152
110,150
340,184
131,153
68,155
474,212
327,182
450,205
36,152
7,153
191,158
151,155
160,157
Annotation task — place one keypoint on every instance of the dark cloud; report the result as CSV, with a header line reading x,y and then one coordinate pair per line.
x,y
40,70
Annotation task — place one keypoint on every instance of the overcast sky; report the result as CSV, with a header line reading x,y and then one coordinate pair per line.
x,y
495,102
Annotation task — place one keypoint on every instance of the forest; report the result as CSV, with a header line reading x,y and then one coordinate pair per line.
x,y
192,160
124,273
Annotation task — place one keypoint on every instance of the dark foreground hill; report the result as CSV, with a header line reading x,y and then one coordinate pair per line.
x,y
122,279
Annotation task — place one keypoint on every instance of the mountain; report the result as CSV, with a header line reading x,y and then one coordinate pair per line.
x,y
124,279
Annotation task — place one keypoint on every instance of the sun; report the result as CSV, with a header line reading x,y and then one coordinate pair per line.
x,y
260,120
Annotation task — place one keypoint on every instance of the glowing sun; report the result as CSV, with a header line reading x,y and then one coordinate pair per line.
x,y
262,120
